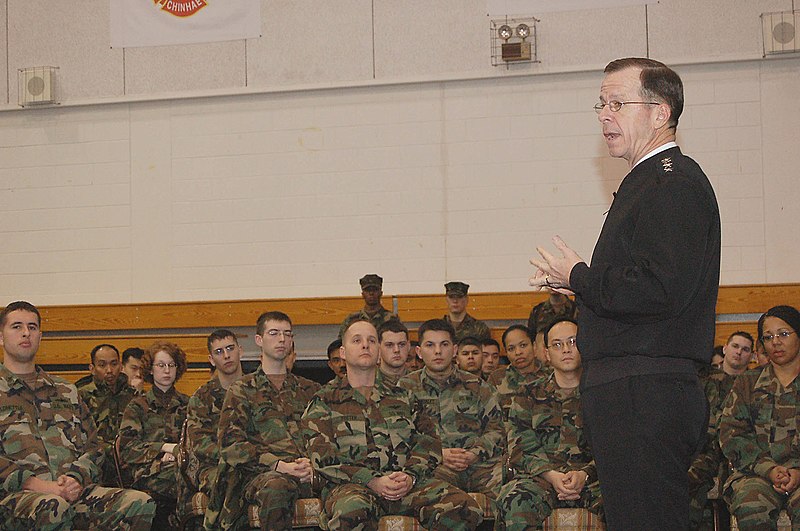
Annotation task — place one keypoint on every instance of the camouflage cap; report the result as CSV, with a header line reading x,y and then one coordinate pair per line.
x,y
371,281
456,289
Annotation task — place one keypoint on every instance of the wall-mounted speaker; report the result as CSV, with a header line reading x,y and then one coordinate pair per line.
x,y
780,32
37,86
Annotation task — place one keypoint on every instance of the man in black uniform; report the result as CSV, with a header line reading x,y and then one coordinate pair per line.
x,y
646,304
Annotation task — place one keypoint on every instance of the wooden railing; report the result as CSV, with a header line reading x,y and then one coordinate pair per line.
x,y
72,330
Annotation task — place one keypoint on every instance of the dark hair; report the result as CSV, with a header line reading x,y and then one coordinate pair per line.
x,y
335,345
469,340
491,341
555,322
175,352
659,82
102,345
133,352
787,314
19,305
521,328
219,335
261,323
392,325
436,325
744,335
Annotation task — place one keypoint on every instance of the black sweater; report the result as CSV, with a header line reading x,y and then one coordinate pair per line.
x,y
651,290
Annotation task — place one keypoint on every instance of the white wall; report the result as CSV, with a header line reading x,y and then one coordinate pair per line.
x,y
300,192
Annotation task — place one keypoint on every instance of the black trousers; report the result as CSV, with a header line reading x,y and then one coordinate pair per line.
x,y
644,431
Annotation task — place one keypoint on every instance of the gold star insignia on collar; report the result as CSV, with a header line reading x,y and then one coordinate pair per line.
x,y
666,163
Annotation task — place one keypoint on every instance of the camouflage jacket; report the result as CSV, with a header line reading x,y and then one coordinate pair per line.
x,y
149,421
464,409
758,429
357,439
509,382
381,316
470,327
202,420
387,379
309,386
107,404
543,314
546,431
259,425
44,433
708,464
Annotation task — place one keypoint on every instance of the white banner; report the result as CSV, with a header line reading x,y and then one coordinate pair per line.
x,y
162,22
535,7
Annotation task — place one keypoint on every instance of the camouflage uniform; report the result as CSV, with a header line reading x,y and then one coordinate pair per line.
x,y
543,314
758,430
467,415
106,404
508,382
150,421
470,327
387,379
259,426
709,463
202,421
546,433
309,386
381,316
358,439
46,431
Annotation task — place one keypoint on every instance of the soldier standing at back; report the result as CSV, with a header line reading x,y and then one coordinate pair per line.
x,y
261,449
373,311
463,323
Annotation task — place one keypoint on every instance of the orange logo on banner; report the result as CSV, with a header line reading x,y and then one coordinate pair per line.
x,y
181,8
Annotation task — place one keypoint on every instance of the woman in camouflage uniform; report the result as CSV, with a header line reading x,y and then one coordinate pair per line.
x,y
151,427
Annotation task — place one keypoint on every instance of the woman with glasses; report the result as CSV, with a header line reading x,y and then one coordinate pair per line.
x,y
758,430
151,428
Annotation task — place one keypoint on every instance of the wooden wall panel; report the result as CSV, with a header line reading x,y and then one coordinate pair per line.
x,y
188,384
72,350
756,298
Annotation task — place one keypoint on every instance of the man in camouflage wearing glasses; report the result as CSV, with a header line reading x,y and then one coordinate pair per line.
x,y
49,457
549,454
377,449
261,449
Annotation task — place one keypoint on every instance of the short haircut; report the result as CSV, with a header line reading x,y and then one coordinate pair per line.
x,y
133,352
744,335
436,325
175,352
522,328
335,345
19,305
470,340
659,82
392,325
261,323
555,322
354,321
490,341
102,345
219,335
